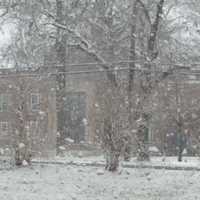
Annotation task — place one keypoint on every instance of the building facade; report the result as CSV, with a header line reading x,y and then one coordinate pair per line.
x,y
29,99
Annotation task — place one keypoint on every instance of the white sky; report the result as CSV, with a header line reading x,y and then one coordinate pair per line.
x,y
6,34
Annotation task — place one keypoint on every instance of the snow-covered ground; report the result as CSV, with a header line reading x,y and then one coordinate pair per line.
x,y
190,162
59,182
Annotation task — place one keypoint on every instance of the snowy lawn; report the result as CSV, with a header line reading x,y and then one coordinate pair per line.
x,y
59,182
188,162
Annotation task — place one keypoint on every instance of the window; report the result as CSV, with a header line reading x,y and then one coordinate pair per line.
x,y
3,102
33,125
4,128
75,116
34,130
35,101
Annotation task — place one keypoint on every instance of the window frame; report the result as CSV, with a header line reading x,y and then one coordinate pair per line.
x,y
4,132
4,102
32,104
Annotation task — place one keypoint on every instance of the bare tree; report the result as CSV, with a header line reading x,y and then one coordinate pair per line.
x,y
147,81
22,138
112,121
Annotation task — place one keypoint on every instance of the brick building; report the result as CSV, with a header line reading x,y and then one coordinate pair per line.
x,y
36,94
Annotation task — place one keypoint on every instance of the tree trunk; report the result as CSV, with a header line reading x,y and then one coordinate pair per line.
x,y
132,56
112,160
147,84
112,145
60,47
179,119
131,74
143,139
127,149
180,155
181,145
22,139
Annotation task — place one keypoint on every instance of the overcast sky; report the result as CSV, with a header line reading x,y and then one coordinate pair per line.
x,y
6,34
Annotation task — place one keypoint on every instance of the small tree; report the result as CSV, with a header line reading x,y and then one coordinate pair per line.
x,y
22,143
112,120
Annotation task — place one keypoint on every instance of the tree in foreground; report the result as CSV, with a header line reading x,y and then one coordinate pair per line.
x,y
19,109
112,122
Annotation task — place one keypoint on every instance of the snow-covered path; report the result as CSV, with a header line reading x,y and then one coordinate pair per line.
x,y
78,183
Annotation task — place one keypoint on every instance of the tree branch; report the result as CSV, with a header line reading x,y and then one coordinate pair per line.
x,y
154,29
4,13
83,45
146,12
